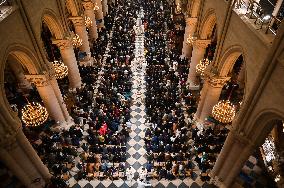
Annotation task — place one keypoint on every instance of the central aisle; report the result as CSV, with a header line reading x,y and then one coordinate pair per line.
x,y
135,150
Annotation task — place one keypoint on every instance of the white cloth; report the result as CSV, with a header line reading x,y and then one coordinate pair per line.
x,y
130,173
142,184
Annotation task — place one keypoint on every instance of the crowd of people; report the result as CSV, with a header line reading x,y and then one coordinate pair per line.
x,y
95,147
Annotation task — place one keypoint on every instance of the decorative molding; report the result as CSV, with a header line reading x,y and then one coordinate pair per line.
x,y
216,81
201,44
40,80
88,5
63,43
77,21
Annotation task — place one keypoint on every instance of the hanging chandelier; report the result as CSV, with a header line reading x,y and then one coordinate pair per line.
x,y
61,70
77,41
96,7
88,22
269,149
201,66
224,111
190,39
34,114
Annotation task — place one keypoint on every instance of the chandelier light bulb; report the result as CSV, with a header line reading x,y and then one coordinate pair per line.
x,y
224,111
190,39
201,66
34,114
61,70
77,41
88,22
96,7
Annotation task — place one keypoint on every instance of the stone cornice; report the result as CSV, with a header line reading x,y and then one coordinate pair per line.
x,y
40,80
88,5
63,43
77,21
201,44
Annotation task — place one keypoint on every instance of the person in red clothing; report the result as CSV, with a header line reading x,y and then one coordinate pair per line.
x,y
103,129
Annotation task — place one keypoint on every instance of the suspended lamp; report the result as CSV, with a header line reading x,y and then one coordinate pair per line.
x,y
34,114
190,39
224,111
61,70
96,7
88,22
201,66
77,41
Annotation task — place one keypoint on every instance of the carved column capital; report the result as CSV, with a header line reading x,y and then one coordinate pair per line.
x,y
216,81
88,5
241,138
201,44
191,22
77,21
63,43
216,181
40,80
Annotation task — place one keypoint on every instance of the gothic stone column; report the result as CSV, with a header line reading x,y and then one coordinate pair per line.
x,y
48,96
99,13
215,85
189,30
19,156
199,47
62,104
234,154
203,93
104,7
80,29
89,12
69,59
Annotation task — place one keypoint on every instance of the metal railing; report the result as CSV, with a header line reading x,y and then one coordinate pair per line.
x,y
254,11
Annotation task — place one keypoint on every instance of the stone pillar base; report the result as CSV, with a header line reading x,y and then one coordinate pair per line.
x,y
193,86
87,62
67,125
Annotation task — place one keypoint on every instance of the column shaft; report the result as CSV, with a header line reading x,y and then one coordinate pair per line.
x,y
60,99
15,168
212,90
199,47
99,13
89,12
80,29
212,97
93,29
104,7
189,30
69,59
203,93
31,153
23,163
230,161
50,101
